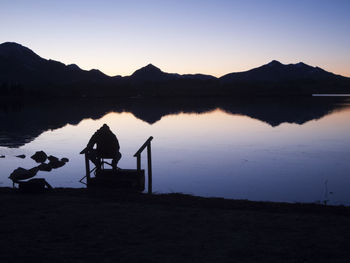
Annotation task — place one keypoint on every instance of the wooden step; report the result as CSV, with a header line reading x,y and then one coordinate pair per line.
x,y
120,179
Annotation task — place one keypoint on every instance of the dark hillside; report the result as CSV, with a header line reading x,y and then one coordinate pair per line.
x,y
23,73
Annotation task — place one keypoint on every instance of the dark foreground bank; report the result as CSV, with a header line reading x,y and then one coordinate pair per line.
x,y
77,225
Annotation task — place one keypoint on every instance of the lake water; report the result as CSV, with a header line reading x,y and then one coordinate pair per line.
x,y
262,149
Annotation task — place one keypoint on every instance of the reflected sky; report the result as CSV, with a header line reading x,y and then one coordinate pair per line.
x,y
213,154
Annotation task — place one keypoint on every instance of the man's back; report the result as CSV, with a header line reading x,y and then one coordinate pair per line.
x,y
107,144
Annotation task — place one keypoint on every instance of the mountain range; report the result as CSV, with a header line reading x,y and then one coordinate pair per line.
x,y
22,73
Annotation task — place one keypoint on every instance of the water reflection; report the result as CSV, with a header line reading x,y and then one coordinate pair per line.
x,y
23,121
259,149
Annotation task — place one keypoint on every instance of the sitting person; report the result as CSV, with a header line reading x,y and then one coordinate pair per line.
x,y
107,146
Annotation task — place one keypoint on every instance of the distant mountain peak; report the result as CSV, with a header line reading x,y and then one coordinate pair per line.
x,y
275,72
9,44
302,65
274,63
151,67
14,49
97,72
149,72
74,67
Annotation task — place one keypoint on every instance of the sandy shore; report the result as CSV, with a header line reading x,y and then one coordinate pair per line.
x,y
77,225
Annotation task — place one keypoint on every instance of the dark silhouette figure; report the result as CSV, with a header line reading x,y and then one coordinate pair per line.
x,y
107,146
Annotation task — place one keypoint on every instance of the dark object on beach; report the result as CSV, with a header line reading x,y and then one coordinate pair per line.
x,y
22,156
66,160
39,157
45,167
55,163
2,156
52,158
34,186
23,174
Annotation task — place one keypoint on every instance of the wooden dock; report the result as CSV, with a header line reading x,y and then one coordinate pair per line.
x,y
129,179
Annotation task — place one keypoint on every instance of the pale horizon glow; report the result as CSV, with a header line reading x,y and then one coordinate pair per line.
x,y
208,37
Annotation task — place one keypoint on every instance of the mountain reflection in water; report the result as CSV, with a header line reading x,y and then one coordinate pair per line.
x,y
22,121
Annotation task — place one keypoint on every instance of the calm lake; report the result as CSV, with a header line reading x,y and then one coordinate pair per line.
x,y
295,150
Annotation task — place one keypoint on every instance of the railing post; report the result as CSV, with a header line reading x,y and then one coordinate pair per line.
x,y
138,162
149,160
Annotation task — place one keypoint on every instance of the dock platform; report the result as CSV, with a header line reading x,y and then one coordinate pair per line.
x,y
128,179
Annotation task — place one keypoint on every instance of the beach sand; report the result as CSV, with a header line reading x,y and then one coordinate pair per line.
x,y
80,225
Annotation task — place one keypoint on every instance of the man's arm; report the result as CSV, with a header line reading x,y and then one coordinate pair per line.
x,y
117,142
92,141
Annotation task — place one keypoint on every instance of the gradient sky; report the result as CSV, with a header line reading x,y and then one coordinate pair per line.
x,y
206,36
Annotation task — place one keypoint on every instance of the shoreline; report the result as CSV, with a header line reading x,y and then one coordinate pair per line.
x,y
176,198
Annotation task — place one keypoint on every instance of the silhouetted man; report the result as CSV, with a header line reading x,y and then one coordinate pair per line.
x,y
107,146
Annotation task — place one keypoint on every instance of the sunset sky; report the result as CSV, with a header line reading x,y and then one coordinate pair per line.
x,y
184,36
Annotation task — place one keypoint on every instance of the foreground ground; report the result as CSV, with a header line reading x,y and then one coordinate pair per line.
x,y
78,225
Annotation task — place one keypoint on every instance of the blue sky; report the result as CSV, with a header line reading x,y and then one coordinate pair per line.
x,y
207,36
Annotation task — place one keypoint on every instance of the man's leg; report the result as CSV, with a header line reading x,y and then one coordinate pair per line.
x,y
92,156
116,160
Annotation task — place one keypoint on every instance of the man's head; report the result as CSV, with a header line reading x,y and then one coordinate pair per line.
x,y
105,127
